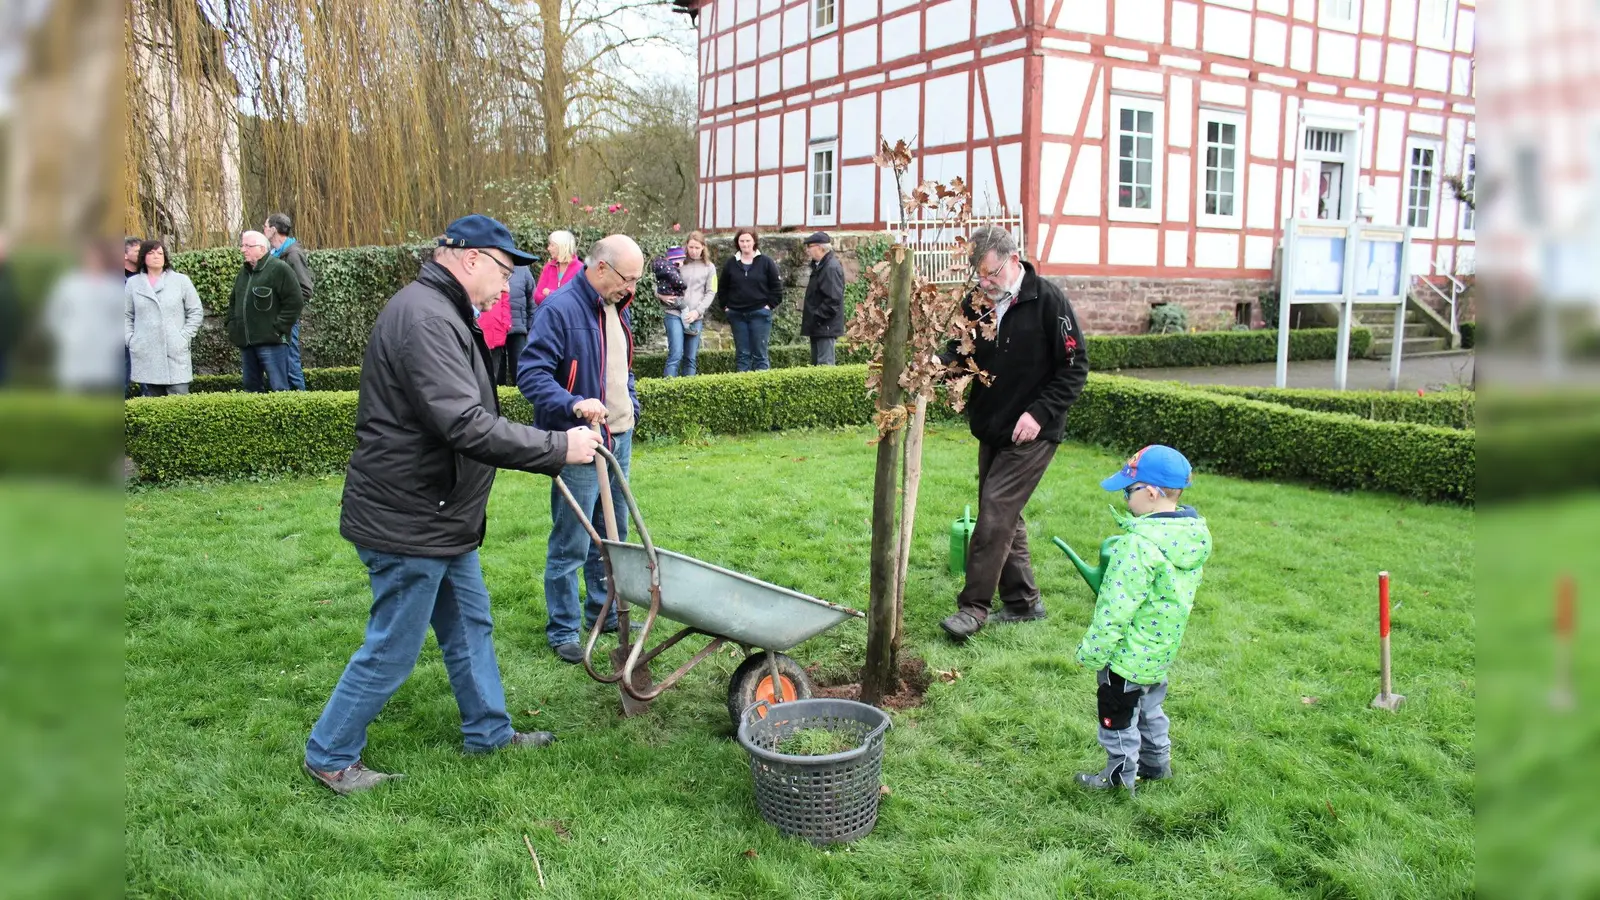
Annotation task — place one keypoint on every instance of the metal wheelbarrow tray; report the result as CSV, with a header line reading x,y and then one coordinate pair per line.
x,y
707,600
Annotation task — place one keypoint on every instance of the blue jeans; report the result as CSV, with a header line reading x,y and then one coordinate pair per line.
x,y
571,549
268,363
682,348
297,375
751,329
408,594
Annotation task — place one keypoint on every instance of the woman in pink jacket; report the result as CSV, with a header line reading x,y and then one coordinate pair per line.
x,y
562,266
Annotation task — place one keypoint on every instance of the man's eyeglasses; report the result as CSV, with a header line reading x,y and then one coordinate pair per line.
x,y
630,282
505,270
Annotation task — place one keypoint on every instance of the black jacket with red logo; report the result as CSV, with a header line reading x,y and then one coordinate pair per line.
x,y
1038,360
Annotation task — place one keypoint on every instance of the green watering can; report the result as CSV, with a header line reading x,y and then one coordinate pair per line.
x,y
1091,574
960,537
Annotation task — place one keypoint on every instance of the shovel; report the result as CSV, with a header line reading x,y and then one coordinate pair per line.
x,y
640,678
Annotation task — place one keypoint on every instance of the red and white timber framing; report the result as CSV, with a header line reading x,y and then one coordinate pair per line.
x,y
1017,97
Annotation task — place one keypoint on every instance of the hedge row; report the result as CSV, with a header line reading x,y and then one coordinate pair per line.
x,y
1532,458
1469,335
266,434
1254,439
1448,409
60,436
1106,352
1217,348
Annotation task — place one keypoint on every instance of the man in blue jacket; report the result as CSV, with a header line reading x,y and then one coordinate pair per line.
x,y
576,369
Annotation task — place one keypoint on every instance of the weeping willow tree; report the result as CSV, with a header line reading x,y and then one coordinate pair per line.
x,y
369,120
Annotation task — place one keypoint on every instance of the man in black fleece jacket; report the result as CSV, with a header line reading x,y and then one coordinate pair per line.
x,y
1023,333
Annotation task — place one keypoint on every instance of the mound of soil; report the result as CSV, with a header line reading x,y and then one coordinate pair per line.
x,y
914,681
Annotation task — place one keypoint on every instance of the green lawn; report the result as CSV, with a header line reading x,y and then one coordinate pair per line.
x,y
243,605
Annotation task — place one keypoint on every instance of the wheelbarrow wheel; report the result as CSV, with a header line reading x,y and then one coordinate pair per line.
x,y
752,681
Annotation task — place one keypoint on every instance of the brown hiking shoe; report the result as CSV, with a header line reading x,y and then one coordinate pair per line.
x,y
352,779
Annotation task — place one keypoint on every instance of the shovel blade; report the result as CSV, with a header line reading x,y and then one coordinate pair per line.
x,y
640,679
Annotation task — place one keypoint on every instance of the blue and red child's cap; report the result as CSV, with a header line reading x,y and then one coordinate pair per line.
x,y
1156,465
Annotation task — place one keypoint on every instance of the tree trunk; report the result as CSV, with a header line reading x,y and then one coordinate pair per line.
x,y
908,517
879,676
553,101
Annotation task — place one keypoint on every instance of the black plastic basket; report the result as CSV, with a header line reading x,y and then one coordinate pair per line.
x,y
825,799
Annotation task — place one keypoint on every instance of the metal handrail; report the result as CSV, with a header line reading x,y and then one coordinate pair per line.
x,y
1449,298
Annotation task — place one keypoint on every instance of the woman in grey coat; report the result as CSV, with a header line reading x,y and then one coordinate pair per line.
x,y
163,315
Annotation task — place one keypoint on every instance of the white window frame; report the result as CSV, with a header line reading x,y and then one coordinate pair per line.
x,y
1431,26
1406,206
1157,110
1469,175
1240,152
1327,16
814,8
831,147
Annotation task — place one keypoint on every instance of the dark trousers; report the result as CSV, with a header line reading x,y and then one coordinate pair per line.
x,y
165,390
822,351
497,363
506,371
997,558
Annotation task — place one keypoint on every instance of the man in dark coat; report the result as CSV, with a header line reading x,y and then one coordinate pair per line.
x,y
285,246
822,318
429,436
262,313
1021,331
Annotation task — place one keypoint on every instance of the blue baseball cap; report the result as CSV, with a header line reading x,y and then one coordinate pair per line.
x,y
1156,465
483,233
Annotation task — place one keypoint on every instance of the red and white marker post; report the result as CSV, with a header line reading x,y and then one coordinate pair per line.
x,y
1386,698
1566,626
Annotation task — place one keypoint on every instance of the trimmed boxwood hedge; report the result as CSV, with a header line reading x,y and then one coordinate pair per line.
x,y
264,434
60,436
1447,409
1106,352
1469,335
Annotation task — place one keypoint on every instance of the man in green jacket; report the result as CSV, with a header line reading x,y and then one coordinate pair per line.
x,y
1139,617
262,314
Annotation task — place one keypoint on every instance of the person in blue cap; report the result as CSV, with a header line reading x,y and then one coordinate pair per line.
x,y
1139,617
429,437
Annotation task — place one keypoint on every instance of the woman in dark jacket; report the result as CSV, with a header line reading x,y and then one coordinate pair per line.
x,y
749,290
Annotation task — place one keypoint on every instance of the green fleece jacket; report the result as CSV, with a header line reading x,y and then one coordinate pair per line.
x,y
265,304
1146,595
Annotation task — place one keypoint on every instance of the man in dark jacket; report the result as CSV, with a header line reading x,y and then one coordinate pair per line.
x,y
1021,331
279,231
522,283
822,319
577,368
261,314
429,436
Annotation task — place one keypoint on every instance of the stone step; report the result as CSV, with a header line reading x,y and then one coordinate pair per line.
x,y
1412,330
1410,347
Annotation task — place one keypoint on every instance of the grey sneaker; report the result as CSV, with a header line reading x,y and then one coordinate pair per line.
x,y
1031,614
569,652
531,739
1155,773
1099,781
352,779
961,626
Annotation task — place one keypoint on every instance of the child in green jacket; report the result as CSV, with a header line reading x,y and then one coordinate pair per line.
x,y
1139,617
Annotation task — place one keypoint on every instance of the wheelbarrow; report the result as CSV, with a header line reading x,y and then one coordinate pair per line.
x,y
725,606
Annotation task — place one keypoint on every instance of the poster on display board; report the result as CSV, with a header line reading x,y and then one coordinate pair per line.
x,y
1344,264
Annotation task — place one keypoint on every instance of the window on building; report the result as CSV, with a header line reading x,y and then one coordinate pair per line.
x,y
822,15
822,181
1420,185
1135,180
1433,19
1469,180
1339,12
1220,165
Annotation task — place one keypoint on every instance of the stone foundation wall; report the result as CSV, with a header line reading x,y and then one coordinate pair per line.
x,y
1122,305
